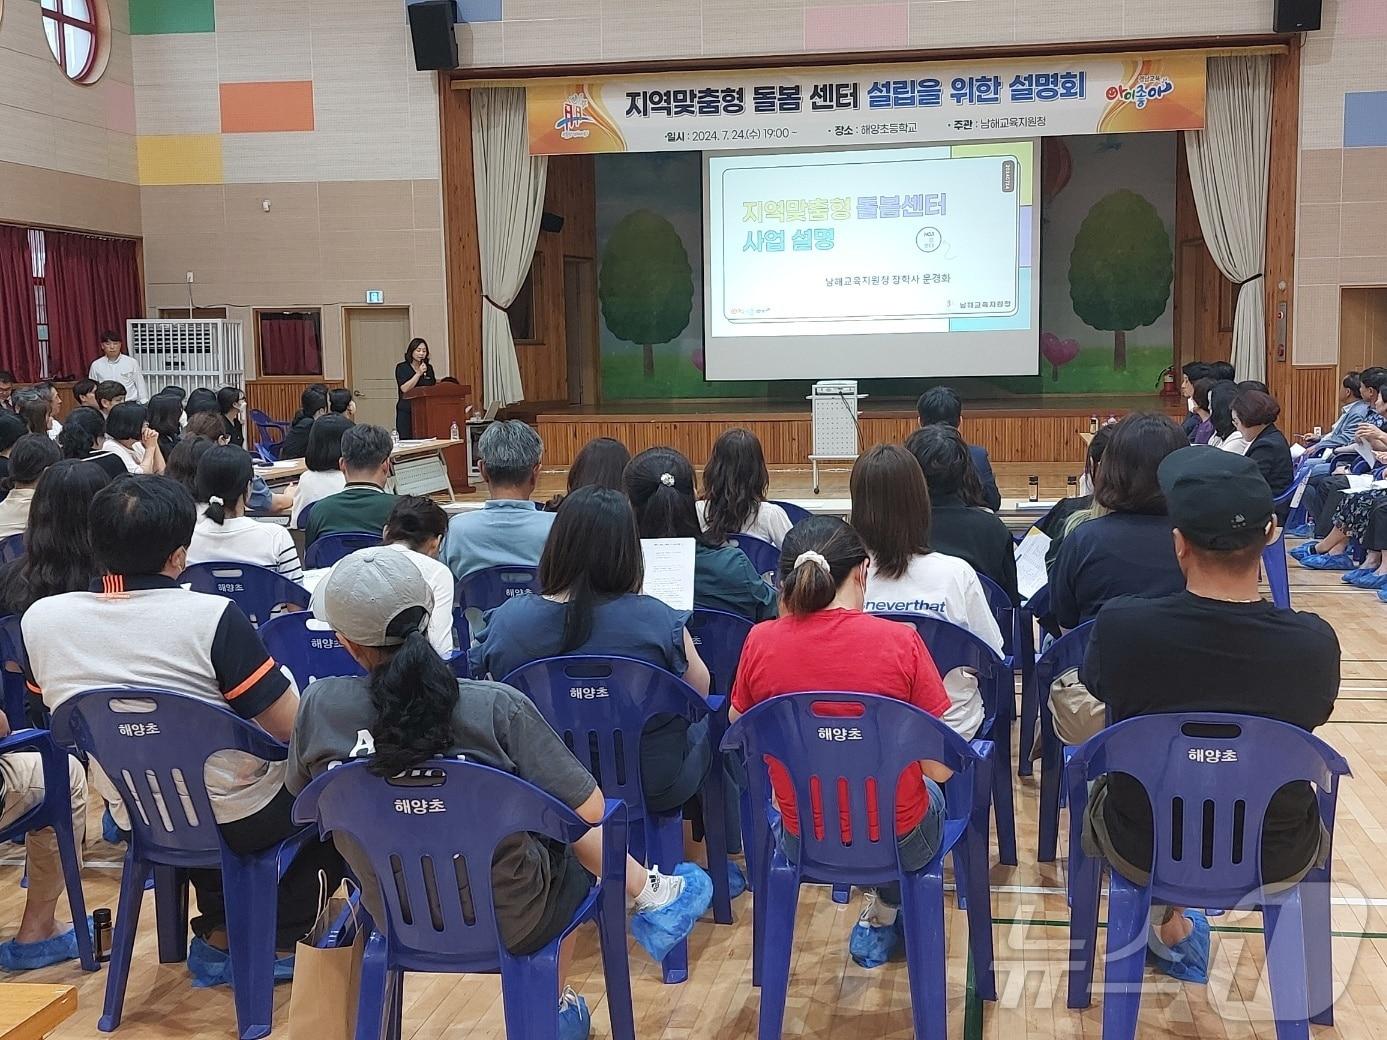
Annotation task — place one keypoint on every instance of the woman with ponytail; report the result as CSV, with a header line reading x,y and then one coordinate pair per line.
x,y
224,534
409,708
660,483
31,455
824,641
590,577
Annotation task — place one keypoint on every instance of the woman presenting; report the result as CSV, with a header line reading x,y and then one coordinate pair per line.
x,y
413,371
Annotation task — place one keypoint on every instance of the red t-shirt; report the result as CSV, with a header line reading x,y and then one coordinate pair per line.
x,y
848,651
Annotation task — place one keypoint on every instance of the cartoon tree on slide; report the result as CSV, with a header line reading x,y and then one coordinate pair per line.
x,y
646,283
1121,268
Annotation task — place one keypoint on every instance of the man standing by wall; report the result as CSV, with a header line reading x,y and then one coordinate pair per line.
x,y
121,368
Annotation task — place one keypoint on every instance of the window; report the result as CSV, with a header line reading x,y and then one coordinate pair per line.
x,y
198,312
523,326
290,342
40,255
75,37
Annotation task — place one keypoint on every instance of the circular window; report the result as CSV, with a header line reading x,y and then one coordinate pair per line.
x,y
76,36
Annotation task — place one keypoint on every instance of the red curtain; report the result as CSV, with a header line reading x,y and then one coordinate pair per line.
x,y
19,333
92,284
289,345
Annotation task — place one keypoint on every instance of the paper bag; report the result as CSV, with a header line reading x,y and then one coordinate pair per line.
x,y
327,975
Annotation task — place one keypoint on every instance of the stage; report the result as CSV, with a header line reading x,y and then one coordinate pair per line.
x,y
1020,430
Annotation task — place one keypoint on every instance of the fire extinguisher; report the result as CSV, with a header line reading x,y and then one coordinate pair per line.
x,y
1167,383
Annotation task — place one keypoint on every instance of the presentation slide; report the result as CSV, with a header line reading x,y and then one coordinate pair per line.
x,y
917,261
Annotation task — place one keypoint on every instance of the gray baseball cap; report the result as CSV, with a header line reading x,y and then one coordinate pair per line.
x,y
366,594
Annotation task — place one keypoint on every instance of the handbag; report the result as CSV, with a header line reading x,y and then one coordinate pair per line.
x,y
327,970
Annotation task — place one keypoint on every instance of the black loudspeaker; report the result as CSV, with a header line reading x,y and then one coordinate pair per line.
x,y
551,222
1297,16
431,24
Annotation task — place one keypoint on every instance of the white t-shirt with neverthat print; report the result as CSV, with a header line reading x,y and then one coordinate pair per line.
x,y
946,587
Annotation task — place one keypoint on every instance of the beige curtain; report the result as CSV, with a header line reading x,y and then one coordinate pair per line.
x,y
1228,163
510,201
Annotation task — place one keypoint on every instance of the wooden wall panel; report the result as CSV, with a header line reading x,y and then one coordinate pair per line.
x,y
1362,327
461,261
1313,400
786,439
1281,218
278,398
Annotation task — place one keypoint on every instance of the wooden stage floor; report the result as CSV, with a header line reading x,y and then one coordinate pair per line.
x,y
832,999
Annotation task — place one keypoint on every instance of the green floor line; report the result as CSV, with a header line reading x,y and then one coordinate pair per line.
x,y
972,1007
1233,928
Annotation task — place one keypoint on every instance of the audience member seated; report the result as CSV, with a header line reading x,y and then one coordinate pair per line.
x,y
1205,428
660,484
1237,651
1189,375
824,641
313,402
57,543
590,602
323,475
409,708
6,390
1222,371
141,527
84,393
509,528
1353,412
166,420
416,528
210,423
342,401
1056,522
83,437
181,466
941,406
601,462
230,403
734,492
34,411
1124,550
363,504
891,513
11,429
960,525
130,439
108,394
203,401
224,534
33,454
1255,413
1225,433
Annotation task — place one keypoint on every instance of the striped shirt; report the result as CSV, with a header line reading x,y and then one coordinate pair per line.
x,y
242,540
146,630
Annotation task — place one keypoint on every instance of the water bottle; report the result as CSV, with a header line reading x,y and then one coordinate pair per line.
x,y
395,438
453,431
1033,484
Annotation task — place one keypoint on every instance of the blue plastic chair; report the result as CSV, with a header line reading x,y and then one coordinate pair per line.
x,y
14,663
54,811
486,590
892,736
162,750
1274,555
11,548
719,637
256,590
268,431
442,860
952,646
1231,765
304,514
308,648
764,556
1036,607
266,452
600,707
1064,653
794,512
327,549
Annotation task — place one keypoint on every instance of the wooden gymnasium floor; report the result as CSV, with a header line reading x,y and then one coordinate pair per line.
x,y
832,998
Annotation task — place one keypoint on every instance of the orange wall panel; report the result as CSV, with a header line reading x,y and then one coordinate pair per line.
x,y
256,108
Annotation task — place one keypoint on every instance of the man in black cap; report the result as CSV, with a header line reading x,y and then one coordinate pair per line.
x,y
1219,647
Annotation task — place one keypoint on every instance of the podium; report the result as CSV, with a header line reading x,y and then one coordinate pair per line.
x,y
434,410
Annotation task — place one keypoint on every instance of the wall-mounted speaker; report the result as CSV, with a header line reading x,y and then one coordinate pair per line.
x,y
551,222
431,24
1296,16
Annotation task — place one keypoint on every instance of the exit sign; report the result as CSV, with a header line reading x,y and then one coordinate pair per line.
x,y
375,295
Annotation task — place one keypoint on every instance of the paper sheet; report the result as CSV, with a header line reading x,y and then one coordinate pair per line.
x,y
1366,453
1360,482
1030,563
669,570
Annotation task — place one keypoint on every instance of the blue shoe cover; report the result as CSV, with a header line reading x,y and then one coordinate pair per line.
x,y
109,831
575,1020
1302,550
659,931
1370,580
1301,531
18,956
871,946
210,966
1382,595
736,880
1328,562
1188,961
